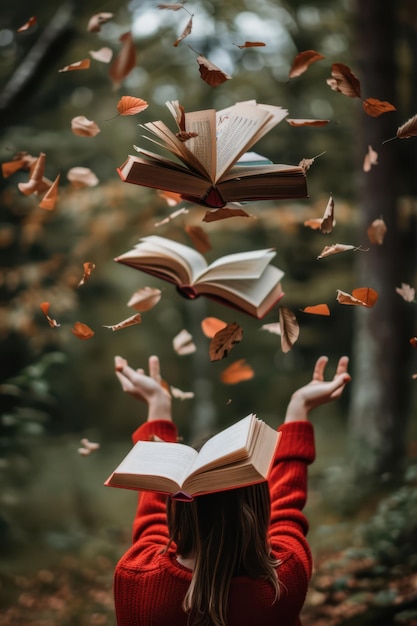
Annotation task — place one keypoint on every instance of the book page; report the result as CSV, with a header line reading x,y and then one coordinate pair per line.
x,y
195,261
204,145
239,265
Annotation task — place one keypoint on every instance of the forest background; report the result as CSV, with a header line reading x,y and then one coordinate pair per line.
x,y
60,530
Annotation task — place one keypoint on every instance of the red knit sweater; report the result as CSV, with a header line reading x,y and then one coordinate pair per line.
x,y
149,587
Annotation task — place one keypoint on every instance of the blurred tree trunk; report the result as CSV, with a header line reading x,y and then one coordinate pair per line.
x,y
378,413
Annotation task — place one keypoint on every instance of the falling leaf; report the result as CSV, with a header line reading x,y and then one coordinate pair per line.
x,y
274,328
173,215
237,372
317,309
96,21
301,122
88,268
251,44
81,177
78,65
336,248
210,73
375,108
407,130
171,7
45,310
31,22
181,395
224,341
87,447
84,127
145,299
413,342
371,158
125,60
407,292
172,199
35,181
129,105
211,325
328,221
362,296
82,331
305,164
183,343
290,329
344,81
104,55
184,135
130,321
224,213
10,167
49,200
187,31
199,238
314,223
376,231
302,62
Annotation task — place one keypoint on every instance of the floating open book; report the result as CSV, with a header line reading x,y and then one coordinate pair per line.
x,y
206,149
237,456
244,280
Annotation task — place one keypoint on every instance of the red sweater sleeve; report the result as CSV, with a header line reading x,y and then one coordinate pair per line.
x,y
288,487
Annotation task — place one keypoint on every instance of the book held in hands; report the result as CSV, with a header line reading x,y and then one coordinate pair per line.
x,y
238,456
209,166
244,280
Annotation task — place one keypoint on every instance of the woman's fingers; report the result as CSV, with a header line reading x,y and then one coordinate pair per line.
x,y
318,372
154,368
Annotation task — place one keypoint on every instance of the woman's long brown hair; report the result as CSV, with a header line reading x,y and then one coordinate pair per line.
x,y
226,534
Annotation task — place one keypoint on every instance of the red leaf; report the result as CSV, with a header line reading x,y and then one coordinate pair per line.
x,y
31,22
129,105
124,62
237,372
82,331
78,65
344,81
88,269
210,73
45,310
375,108
302,62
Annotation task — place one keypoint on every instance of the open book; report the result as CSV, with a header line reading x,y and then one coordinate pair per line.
x,y
237,456
244,280
206,152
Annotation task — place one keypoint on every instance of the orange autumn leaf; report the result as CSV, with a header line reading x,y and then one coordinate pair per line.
x,y
199,238
130,321
302,62
96,21
224,213
362,296
35,182
290,329
183,343
129,105
49,200
124,61
104,55
81,177
82,126
210,73
302,122
314,223
251,44
328,220
344,81
211,325
371,158
375,108
376,232
88,268
224,341
44,306
82,331
317,309
187,31
10,167
31,22
407,130
171,198
144,299
407,292
237,372
78,65
336,248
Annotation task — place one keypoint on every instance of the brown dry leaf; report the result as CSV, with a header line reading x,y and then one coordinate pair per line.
x,y
210,73
328,220
10,167
407,130
49,200
181,395
290,329
362,296
81,177
224,213
317,309
171,7
144,299
184,135
237,372
251,44
84,127
125,60
407,292
82,331
78,65
44,306
344,81
375,108
130,321
96,21
35,182
88,268
314,223
199,238
413,343
302,122
31,22
104,55
274,328
224,341
336,248
211,325
302,62
307,163
371,158
183,343
129,105
376,232
187,31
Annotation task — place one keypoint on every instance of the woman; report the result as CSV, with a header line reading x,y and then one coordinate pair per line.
x,y
236,558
